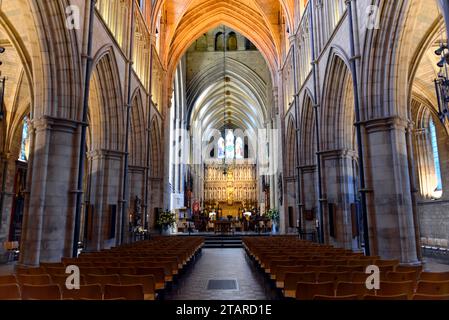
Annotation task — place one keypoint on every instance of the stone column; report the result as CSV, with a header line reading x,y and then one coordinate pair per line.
x,y
339,187
390,210
309,195
6,201
49,213
105,186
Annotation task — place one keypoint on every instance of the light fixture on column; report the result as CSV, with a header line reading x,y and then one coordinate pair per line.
x,y
2,89
442,82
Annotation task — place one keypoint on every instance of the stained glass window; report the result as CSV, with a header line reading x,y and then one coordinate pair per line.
x,y
436,156
221,148
25,143
230,145
239,148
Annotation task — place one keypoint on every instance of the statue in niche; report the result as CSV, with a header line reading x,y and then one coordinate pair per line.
x,y
137,212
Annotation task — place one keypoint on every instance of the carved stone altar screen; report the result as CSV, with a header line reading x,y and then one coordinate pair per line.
x,y
238,186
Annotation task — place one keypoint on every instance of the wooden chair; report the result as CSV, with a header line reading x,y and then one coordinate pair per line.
x,y
282,270
354,268
8,279
92,270
334,276
392,288
148,282
132,264
90,291
292,278
129,292
10,292
41,292
359,276
42,279
318,269
402,276
158,273
167,266
30,271
417,269
352,288
434,276
275,264
337,298
433,287
430,297
120,270
382,262
102,279
46,265
334,262
360,263
386,297
55,270
308,290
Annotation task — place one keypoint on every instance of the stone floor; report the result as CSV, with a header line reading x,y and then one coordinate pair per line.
x,y
433,265
222,264
6,269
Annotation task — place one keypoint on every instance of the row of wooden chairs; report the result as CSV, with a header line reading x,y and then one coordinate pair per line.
x,y
146,266
303,270
426,290
147,280
281,272
162,272
85,292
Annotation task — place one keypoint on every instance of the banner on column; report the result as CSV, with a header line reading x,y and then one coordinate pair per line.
x,y
177,200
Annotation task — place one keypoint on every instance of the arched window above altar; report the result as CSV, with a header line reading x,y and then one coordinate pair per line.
x,y
230,151
239,148
221,148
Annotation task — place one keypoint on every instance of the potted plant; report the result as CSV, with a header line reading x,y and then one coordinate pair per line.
x,y
273,215
165,221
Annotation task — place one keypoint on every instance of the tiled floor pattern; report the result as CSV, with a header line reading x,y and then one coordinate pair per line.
x,y
221,264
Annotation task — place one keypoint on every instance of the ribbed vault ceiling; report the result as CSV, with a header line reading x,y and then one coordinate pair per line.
x,y
258,20
246,103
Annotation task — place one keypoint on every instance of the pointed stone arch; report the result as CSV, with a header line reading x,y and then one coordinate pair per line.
x,y
308,131
106,103
155,152
137,137
338,131
290,160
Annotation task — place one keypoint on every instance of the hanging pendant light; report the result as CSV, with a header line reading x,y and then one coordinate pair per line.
x,y
225,78
442,82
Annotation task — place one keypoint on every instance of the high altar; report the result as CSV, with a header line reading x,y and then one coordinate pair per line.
x,y
232,191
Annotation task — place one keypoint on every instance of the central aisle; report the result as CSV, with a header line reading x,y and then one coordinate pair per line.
x,y
220,264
